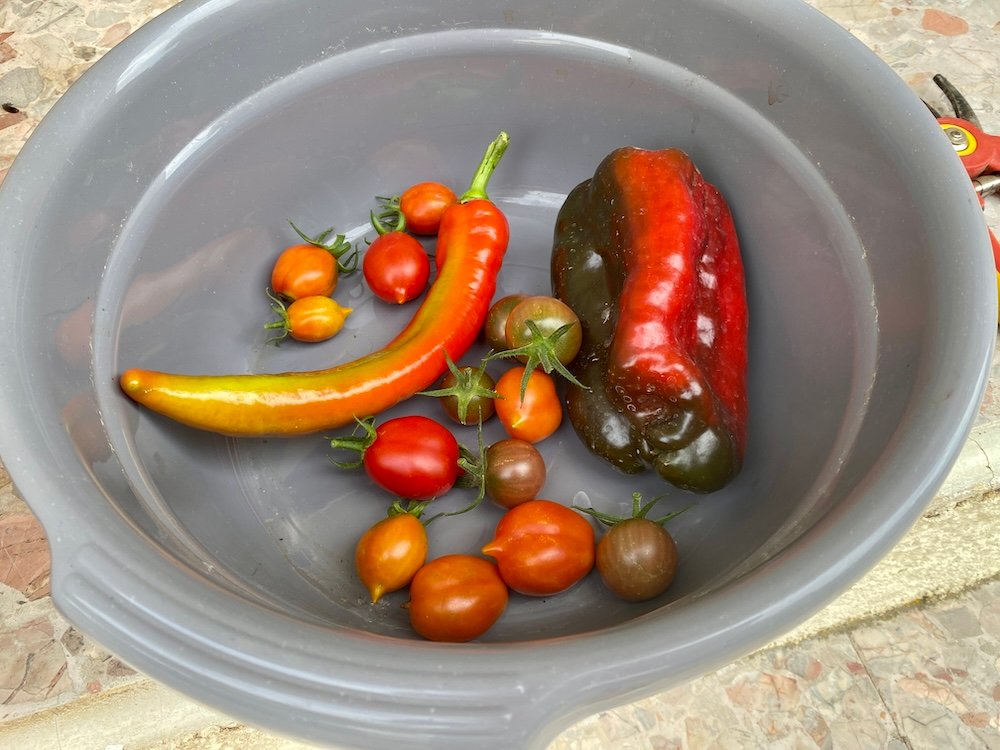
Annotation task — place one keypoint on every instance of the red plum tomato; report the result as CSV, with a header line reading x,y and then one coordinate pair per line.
x,y
413,457
456,598
396,267
542,547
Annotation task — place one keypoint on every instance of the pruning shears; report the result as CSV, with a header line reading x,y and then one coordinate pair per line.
x,y
978,150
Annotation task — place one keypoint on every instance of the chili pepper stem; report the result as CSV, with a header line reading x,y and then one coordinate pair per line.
x,y
494,152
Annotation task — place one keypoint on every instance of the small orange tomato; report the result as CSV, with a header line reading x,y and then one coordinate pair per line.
x,y
315,318
309,319
390,553
423,204
535,416
304,271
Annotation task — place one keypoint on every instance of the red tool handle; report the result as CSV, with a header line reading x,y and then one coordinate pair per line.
x,y
980,153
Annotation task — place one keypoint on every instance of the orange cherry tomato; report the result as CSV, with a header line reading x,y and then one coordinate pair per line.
x,y
304,271
309,319
390,553
423,205
535,416
542,547
456,598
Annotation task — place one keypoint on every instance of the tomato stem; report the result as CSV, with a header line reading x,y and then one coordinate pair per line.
x,y
338,247
540,351
278,306
638,511
468,387
390,219
494,152
355,442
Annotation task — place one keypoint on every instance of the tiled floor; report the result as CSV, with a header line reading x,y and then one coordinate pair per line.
x,y
927,678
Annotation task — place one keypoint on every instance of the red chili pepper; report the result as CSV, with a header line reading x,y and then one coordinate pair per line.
x,y
475,233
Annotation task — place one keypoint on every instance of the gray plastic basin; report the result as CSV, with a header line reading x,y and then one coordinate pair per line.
x,y
140,222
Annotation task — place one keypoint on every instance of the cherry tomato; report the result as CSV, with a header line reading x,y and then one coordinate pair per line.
x,y
456,598
412,457
396,267
423,204
514,473
548,316
304,271
309,319
390,553
495,328
535,416
542,547
466,394
637,559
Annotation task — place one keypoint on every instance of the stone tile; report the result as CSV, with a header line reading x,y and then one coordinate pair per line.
x,y
938,671
24,555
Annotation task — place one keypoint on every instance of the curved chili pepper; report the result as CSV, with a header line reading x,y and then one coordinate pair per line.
x,y
474,232
646,254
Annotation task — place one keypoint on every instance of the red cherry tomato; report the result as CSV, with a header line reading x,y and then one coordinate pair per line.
x,y
413,457
542,547
423,205
390,553
535,416
304,271
396,267
456,598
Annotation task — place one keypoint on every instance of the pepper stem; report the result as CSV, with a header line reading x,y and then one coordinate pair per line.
x,y
494,152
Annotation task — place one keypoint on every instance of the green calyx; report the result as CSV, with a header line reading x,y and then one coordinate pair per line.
x,y
338,247
279,309
491,158
356,442
540,351
390,218
468,386
414,508
638,511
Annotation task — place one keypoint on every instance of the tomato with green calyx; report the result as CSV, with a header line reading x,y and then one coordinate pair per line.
x,y
495,328
309,319
515,472
466,393
412,457
542,332
542,547
456,598
313,268
390,553
529,407
636,556
395,265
